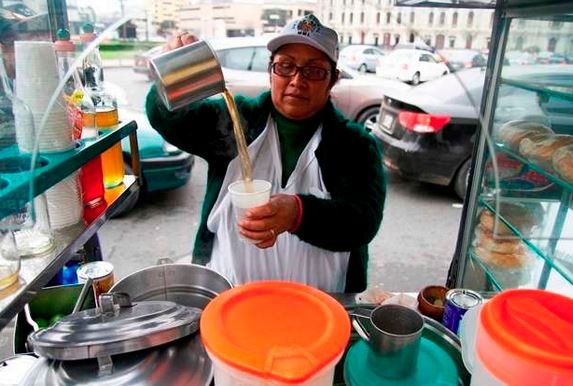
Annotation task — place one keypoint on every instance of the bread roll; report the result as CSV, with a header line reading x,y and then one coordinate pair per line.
x,y
512,133
486,240
521,216
502,260
563,162
540,148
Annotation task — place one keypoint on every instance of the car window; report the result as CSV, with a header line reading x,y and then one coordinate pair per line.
x,y
424,58
261,60
237,58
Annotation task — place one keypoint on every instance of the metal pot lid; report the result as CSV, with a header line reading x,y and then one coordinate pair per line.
x,y
183,362
118,327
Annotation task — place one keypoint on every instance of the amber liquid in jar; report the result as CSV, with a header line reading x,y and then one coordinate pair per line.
x,y
111,159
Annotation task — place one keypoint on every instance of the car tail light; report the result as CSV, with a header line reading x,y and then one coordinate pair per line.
x,y
423,123
467,64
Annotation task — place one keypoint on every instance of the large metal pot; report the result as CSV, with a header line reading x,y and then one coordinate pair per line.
x,y
191,285
122,343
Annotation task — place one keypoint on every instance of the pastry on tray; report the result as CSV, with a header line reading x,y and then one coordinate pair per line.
x,y
512,133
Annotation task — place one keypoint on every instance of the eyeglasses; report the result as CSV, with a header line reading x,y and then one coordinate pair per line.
x,y
287,69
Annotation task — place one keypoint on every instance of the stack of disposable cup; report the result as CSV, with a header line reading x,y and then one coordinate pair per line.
x,y
65,203
36,81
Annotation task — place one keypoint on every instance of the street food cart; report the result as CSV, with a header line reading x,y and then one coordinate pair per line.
x,y
517,225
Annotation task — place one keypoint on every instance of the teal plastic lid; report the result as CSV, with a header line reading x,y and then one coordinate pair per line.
x,y
435,367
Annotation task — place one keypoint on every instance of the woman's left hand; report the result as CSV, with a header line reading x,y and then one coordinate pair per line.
x,y
263,224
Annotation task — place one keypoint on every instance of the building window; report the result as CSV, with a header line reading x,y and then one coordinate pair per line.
x,y
349,39
331,3
470,18
376,41
551,44
520,42
343,2
556,24
342,18
378,18
452,41
399,18
412,17
351,2
351,18
388,17
386,39
440,41
431,18
330,16
469,41
455,19
361,17
442,18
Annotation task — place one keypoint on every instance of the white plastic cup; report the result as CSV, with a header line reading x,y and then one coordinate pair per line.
x,y
243,199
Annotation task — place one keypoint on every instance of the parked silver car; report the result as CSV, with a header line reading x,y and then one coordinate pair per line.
x,y
361,57
245,68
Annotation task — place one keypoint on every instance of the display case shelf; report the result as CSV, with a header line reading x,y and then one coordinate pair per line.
x,y
544,258
18,188
553,89
37,271
550,176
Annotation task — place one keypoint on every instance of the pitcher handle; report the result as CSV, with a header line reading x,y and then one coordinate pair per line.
x,y
361,329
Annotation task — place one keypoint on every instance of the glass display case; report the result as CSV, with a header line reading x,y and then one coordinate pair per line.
x,y
517,225
42,153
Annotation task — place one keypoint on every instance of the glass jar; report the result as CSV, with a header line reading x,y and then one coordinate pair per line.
x,y
9,259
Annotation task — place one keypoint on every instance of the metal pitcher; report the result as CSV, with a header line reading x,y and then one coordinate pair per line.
x,y
187,74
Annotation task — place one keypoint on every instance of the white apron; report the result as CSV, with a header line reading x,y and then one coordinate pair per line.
x,y
290,258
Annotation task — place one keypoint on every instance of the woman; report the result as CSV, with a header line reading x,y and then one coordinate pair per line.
x,y
326,171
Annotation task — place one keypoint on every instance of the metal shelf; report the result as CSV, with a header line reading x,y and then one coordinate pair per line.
x,y
37,271
18,188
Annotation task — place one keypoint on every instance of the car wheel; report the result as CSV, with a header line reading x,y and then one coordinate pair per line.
x,y
132,201
416,79
369,117
461,179
363,68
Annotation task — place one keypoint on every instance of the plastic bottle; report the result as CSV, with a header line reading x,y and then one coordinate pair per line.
x,y
106,117
82,111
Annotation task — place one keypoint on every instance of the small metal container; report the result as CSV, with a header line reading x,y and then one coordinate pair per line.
x,y
187,74
101,272
458,301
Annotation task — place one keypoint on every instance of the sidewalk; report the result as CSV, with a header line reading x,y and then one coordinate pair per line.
x,y
121,62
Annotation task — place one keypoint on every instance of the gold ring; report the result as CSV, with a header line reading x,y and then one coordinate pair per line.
x,y
273,233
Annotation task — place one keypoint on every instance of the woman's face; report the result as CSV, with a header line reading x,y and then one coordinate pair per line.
x,y
294,96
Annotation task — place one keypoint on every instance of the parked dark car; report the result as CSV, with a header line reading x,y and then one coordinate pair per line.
x,y
459,59
428,132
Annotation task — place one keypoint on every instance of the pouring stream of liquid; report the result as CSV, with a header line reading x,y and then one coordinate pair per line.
x,y
244,159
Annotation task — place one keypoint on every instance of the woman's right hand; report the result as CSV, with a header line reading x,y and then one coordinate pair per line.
x,y
180,40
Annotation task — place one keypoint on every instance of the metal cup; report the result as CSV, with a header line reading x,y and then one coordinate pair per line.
x,y
394,334
187,74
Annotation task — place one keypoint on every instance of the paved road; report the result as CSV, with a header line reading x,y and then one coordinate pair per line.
x,y
412,249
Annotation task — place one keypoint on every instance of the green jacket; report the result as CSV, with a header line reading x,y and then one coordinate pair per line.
x,y
350,161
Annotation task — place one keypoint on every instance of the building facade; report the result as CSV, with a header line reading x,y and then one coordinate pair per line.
x,y
381,23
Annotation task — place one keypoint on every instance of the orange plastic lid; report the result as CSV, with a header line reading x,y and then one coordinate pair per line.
x,y
275,330
525,336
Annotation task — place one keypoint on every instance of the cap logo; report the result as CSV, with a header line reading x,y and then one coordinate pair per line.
x,y
308,25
